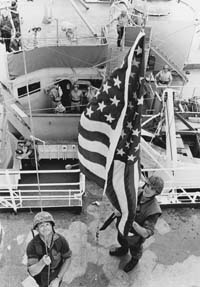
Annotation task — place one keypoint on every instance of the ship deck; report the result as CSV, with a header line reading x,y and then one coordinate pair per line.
x,y
171,257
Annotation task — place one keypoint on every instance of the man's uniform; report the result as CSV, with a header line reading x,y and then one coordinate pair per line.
x,y
147,214
58,251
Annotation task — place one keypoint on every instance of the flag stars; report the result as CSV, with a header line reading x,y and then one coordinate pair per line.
x,y
131,157
117,82
136,132
120,152
139,50
128,145
130,105
101,106
89,112
109,118
135,63
129,125
140,101
106,87
115,101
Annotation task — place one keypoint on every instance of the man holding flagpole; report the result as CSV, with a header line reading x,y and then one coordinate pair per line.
x,y
147,214
109,135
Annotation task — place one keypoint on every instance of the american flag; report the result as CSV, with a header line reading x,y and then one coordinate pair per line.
x,y
109,135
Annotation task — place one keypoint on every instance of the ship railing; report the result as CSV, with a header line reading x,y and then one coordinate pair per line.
x,y
186,97
44,192
30,43
179,188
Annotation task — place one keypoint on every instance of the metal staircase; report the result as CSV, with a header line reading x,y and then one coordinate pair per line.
x,y
18,118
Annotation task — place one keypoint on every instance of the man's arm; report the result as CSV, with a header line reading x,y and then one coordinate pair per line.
x,y
147,229
35,266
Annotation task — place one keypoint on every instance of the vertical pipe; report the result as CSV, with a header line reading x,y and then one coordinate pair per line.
x,y
171,147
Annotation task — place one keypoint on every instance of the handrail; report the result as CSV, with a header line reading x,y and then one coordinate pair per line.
x,y
3,171
17,195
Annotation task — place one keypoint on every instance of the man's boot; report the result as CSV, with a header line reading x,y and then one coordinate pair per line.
x,y
130,265
119,251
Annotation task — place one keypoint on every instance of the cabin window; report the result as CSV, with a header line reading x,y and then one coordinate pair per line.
x,y
33,88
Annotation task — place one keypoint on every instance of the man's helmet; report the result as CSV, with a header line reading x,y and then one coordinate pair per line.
x,y
43,216
156,183
13,3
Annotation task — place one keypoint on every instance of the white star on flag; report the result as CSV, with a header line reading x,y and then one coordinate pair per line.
x,y
135,132
106,87
112,162
101,106
140,101
131,157
139,50
120,151
109,118
130,105
89,112
129,125
115,101
117,81
135,63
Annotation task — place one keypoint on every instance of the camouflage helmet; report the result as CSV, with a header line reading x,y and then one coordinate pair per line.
x,y
43,216
156,183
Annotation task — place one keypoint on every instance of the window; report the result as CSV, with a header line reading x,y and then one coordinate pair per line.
x,y
33,88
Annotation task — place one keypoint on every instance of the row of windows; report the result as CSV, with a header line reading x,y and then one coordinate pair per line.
x,y
32,88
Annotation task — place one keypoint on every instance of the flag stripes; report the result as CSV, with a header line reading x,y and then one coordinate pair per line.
x,y
109,135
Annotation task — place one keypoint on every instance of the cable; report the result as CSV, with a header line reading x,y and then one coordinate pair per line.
x,y
32,130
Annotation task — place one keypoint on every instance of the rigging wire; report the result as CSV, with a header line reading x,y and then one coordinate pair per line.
x,y
32,129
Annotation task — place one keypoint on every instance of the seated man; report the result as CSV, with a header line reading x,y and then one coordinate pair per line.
x,y
164,77
49,255
26,152
76,98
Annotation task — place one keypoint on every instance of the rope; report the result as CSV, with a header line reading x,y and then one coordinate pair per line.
x,y
31,128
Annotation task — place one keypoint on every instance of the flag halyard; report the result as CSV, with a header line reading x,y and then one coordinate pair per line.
x,y
109,135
